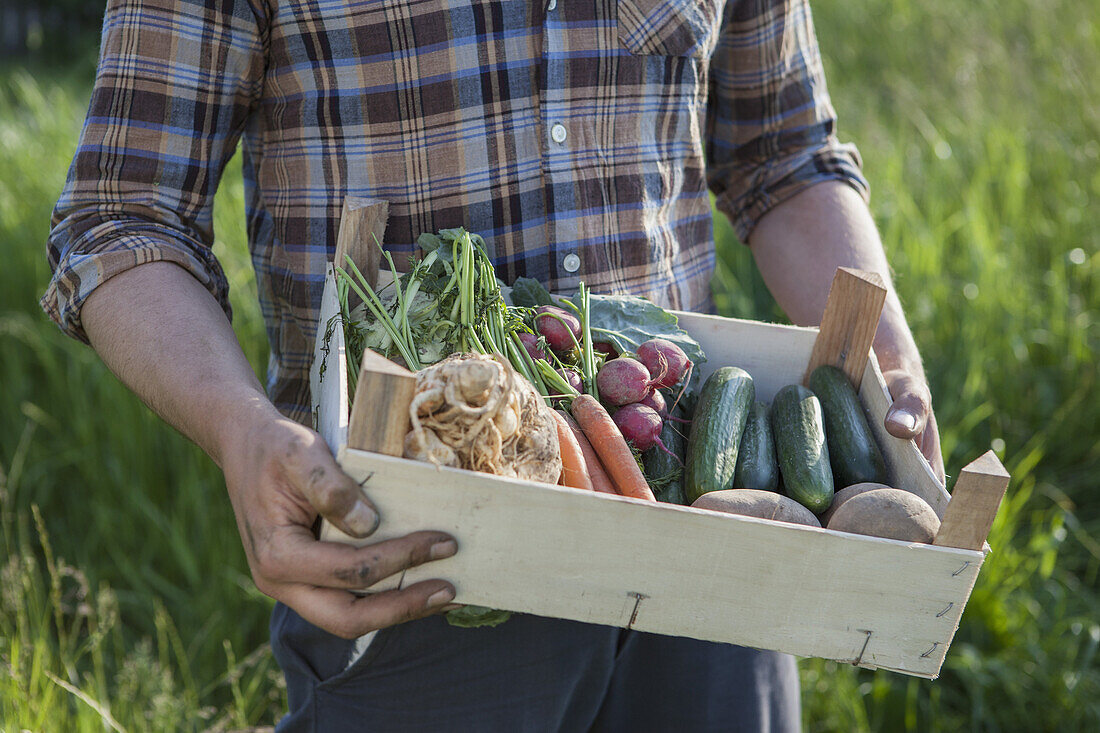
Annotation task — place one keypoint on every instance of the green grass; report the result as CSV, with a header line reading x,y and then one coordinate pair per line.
x,y
161,621
124,591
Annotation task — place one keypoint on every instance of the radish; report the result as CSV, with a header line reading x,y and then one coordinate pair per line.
x,y
607,350
531,342
667,363
559,326
641,425
573,378
623,381
656,401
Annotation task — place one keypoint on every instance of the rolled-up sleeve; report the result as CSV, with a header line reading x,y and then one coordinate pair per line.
x,y
175,84
770,123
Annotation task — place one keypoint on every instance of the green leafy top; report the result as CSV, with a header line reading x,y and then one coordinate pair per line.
x,y
472,617
530,293
627,321
622,320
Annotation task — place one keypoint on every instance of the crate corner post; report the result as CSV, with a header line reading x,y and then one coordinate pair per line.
x,y
362,227
380,408
974,503
849,323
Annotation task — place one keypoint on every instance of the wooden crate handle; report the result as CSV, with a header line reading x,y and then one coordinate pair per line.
x,y
974,502
362,226
380,410
849,323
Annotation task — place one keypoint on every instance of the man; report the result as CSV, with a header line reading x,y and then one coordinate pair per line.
x,y
571,135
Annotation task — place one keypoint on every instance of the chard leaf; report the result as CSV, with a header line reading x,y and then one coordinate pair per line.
x,y
471,617
633,320
429,242
529,293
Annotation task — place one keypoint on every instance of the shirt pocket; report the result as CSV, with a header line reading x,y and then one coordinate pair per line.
x,y
687,28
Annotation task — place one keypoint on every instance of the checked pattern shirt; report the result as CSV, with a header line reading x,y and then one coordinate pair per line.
x,y
579,137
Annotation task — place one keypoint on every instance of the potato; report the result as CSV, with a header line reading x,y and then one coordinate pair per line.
x,y
757,503
890,513
844,495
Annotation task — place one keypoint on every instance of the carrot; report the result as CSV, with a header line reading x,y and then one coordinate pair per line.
x,y
573,472
601,482
608,440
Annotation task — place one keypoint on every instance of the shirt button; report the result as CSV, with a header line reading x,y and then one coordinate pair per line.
x,y
558,133
571,263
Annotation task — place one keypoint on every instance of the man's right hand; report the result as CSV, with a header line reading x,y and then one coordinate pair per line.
x,y
167,338
280,477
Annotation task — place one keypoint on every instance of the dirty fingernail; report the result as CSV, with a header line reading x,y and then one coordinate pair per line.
x,y
362,519
443,549
906,420
440,597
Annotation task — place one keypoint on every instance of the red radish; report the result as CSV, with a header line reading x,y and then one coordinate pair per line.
x,y
640,425
623,381
559,326
574,379
606,349
531,342
656,401
667,363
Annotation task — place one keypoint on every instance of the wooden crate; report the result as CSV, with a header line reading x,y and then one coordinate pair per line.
x,y
597,558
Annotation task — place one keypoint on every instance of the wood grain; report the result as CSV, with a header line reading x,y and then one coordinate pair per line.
x,y
849,323
974,503
380,410
534,548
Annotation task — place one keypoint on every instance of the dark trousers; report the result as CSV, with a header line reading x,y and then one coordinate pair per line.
x,y
529,674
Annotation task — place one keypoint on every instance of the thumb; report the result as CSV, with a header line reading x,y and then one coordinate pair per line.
x,y
331,492
911,407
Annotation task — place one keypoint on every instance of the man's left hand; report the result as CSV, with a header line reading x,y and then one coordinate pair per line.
x,y
910,417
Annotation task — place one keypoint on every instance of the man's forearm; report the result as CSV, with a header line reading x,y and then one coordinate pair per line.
x,y
799,244
167,339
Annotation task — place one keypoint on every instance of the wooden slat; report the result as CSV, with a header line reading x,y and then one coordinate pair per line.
x,y
906,467
328,375
579,555
362,226
974,503
380,410
775,355
849,323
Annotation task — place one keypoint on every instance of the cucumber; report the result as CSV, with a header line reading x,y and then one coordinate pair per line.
x,y
853,452
800,447
756,464
673,493
659,464
716,429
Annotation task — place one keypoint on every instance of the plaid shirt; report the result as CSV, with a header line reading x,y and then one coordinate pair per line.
x,y
578,137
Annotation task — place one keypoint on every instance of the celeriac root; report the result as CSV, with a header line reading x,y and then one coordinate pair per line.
x,y
476,412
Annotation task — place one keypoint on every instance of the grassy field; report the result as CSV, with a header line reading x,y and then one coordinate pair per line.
x,y
125,601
